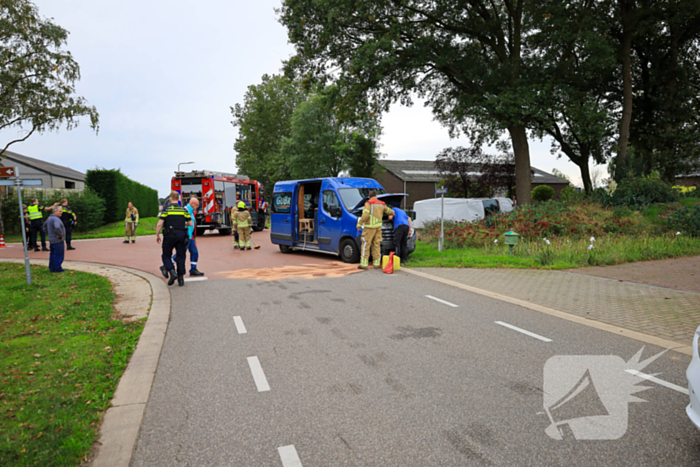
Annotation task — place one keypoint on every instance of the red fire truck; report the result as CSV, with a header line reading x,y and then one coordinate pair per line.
x,y
218,194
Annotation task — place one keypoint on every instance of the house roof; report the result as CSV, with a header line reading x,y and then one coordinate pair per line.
x,y
48,167
425,171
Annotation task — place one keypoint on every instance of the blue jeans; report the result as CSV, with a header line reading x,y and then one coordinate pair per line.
x,y
57,251
194,254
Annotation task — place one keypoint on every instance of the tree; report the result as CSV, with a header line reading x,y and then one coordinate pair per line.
x,y
264,120
321,144
467,58
558,173
37,78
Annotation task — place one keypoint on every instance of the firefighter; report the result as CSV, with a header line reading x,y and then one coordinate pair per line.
x,y
174,222
371,225
131,222
36,221
69,220
240,220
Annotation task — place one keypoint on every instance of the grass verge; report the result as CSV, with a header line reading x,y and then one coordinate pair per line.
x,y
62,357
558,254
147,226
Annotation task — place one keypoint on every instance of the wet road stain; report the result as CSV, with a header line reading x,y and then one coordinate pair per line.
x,y
416,333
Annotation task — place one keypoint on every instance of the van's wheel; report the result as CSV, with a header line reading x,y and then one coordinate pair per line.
x,y
349,252
285,248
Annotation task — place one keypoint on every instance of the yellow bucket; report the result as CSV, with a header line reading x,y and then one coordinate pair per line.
x,y
397,262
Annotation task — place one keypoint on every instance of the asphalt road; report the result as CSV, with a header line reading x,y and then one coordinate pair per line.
x,y
365,370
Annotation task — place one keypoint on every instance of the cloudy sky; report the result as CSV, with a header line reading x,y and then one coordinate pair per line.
x,y
163,76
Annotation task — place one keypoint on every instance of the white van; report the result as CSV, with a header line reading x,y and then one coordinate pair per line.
x,y
459,209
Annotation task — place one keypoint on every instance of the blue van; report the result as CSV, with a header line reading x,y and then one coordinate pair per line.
x,y
321,215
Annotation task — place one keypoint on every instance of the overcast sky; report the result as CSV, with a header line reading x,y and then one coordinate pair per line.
x,y
163,76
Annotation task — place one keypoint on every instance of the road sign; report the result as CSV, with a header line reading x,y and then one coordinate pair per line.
x,y
8,172
31,182
440,191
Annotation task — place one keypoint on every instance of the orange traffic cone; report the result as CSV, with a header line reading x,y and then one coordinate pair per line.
x,y
2,242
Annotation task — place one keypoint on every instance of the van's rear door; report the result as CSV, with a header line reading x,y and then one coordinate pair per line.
x,y
282,227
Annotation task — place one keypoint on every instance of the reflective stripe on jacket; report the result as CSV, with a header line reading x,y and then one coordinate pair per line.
x,y
373,213
240,218
34,212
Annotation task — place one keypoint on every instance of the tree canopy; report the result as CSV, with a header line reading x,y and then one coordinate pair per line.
x,y
37,78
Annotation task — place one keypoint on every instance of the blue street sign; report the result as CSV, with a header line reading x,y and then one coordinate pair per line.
x,y
440,191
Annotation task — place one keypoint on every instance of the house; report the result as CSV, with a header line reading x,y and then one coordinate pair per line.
x,y
420,178
692,179
52,175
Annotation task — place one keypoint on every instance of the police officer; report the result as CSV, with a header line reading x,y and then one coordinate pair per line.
x,y
69,220
240,220
36,222
174,222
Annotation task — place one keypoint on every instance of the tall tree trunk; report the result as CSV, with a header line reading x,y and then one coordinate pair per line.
x,y
626,7
521,151
586,176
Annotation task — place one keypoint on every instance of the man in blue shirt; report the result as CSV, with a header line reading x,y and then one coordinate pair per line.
x,y
192,207
402,228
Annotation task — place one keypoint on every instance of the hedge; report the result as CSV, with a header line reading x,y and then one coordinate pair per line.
x,y
89,208
117,191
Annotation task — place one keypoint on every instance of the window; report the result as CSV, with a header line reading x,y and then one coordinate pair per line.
x,y
330,203
70,185
352,196
282,203
490,207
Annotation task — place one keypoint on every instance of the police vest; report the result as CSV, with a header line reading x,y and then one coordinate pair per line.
x,y
34,212
176,218
67,215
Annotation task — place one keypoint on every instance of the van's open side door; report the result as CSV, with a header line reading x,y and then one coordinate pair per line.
x,y
282,231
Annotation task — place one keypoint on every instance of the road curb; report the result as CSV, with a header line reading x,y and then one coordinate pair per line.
x,y
122,421
646,338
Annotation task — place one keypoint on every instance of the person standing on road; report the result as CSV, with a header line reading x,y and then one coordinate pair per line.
x,y
69,220
131,221
371,225
402,230
56,231
192,207
36,223
174,222
240,220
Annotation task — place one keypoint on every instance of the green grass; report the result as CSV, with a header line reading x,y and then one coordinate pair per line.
x,y
62,357
147,226
560,254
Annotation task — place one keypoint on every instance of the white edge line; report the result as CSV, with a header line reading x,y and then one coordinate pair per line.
x,y
442,301
289,456
258,374
240,327
195,279
528,333
658,381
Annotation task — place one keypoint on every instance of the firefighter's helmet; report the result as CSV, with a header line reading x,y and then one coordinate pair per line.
x,y
241,204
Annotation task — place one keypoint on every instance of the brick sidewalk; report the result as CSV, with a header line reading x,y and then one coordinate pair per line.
x,y
660,312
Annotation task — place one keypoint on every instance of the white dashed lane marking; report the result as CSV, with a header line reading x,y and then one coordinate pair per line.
x,y
658,381
442,301
289,456
195,279
240,327
258,374
527,333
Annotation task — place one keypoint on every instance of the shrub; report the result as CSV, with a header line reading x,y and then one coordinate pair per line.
x,y
643,191
686,220
686,191
117,190
571,195
542,193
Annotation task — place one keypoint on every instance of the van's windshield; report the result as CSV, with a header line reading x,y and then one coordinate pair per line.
x,y
352,196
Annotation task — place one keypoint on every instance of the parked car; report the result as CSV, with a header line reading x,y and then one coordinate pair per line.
x,y
693,375
459,209
321,215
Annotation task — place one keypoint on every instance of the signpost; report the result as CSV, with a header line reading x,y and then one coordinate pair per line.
x,y
442,192
17,182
